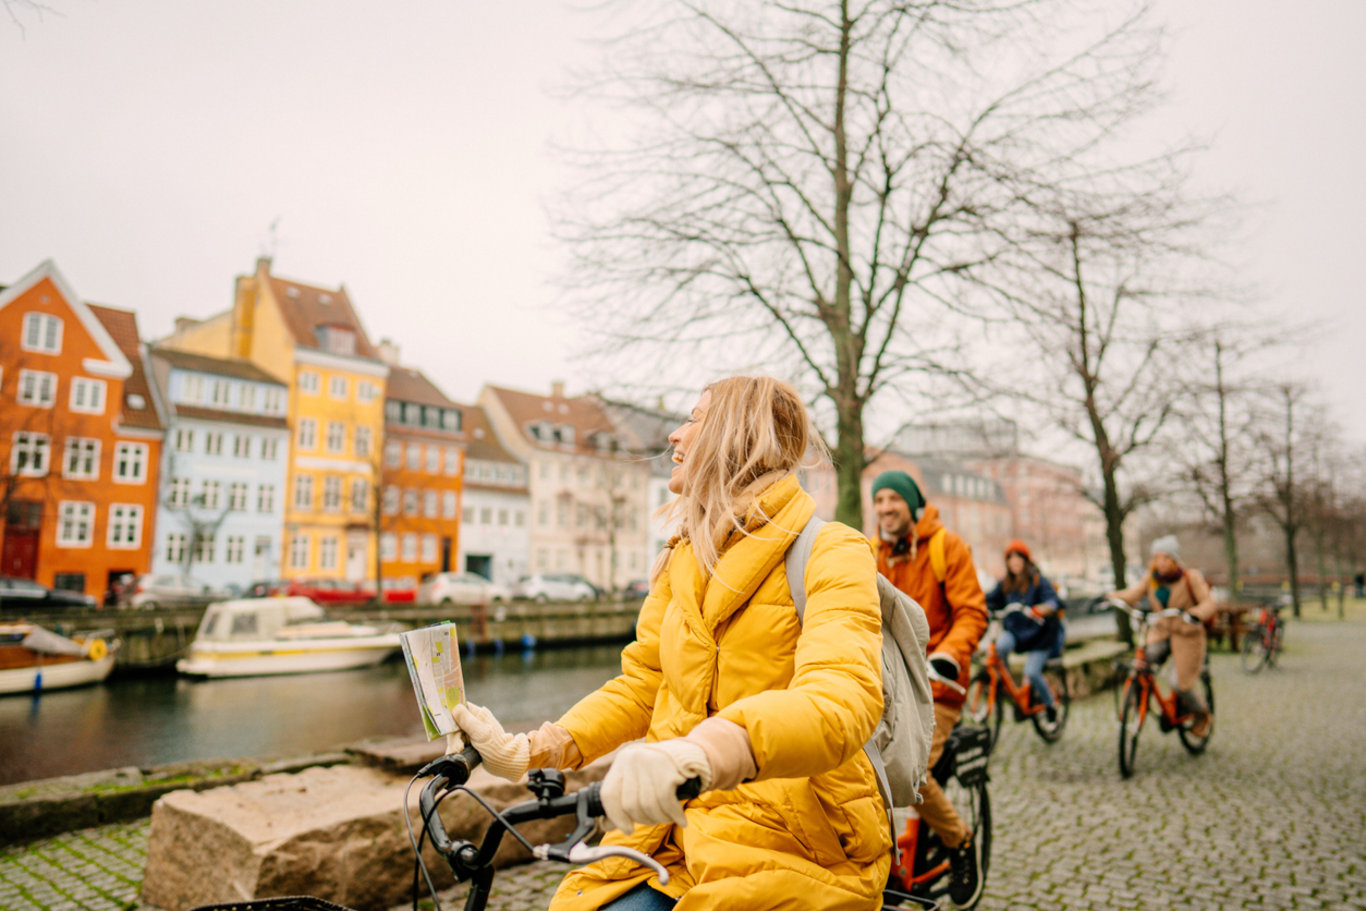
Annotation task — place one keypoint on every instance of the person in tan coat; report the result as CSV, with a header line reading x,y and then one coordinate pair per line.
x,y
1169,584
726,684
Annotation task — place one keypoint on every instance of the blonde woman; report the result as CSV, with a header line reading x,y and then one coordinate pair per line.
x,y
725,684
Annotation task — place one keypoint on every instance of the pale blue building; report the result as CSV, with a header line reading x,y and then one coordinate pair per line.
x,y
221,506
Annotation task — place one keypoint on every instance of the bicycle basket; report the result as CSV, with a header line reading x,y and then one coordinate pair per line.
x,y
972,755
282,903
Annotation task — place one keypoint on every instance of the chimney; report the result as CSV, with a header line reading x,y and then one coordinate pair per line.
x,y
185,322
388,352
263,264
557,389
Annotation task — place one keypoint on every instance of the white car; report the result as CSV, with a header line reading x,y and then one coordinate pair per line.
x,y
554,587
153,591
460,588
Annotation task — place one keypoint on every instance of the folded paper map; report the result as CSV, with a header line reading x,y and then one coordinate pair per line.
x,y
433,658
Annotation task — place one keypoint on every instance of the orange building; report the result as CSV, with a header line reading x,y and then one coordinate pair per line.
x,y
80,438
421,479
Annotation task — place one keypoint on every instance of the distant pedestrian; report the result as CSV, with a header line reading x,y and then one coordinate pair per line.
x,y
1361,585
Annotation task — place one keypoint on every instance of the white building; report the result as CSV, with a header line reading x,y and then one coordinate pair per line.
x,y
495,532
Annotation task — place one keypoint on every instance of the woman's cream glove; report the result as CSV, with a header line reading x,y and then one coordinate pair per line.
x,y
639,787
505,755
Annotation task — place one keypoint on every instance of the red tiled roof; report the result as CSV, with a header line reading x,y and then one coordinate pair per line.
x,y
122,326
483,442
306,307
233,367
233,417
407,384
583,413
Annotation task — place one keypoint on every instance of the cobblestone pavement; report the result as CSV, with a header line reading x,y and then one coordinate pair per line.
x,y
1272,816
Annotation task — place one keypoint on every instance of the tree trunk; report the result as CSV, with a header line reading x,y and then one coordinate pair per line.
x,y
1292,566
1114,536
850,460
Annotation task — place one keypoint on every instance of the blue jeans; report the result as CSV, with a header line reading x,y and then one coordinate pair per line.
x,y
1035,659
642,898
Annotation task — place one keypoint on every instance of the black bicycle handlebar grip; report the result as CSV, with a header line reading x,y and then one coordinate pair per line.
x,y
593,793
689,789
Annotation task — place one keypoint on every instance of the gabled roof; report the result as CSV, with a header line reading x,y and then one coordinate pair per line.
x,y
202,363
483,442
583,413
306,307
408,384
117,357
122,326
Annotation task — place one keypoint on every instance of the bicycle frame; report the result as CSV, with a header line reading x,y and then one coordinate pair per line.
x,y
1141,674
1000,675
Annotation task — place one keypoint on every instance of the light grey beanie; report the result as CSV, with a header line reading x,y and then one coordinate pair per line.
x,y
1167,544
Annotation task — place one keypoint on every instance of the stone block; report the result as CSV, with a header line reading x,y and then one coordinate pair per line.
x,y
334,833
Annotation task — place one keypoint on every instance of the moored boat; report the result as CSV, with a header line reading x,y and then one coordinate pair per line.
x,y
262,636
33,659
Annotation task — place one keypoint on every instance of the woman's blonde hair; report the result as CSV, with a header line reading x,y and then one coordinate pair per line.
x,y
754,425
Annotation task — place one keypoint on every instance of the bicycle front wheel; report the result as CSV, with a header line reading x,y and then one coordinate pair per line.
x,y
1254,649
1277,641
1131,718
1196,745
1056,676
982,707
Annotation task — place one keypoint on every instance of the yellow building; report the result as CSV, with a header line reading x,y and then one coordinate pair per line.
x,y
311,338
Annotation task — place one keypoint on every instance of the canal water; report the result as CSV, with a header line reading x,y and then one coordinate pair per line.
x,y
149,721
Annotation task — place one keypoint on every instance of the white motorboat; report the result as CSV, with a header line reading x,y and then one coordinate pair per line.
x,y
33,659
260,636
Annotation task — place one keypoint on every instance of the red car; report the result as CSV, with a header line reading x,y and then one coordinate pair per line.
x,y
330,591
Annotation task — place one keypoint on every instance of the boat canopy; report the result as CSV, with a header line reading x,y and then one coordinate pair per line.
x,y
256,618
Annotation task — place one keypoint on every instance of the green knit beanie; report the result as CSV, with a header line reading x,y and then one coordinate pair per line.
x,y
904,486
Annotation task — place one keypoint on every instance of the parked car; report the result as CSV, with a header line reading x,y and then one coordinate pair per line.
x,y
166,590
637,588
18,595
330,591
396,591
267,588
554,587
460,588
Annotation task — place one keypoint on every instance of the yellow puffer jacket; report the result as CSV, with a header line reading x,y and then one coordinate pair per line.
x,y
810,831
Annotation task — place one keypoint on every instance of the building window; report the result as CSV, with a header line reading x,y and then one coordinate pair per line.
x,y
429,504
388,546
336,436
393,454
519,518
450,419
213,443
327,552
42,332
275,401
543,513
486,515
391,496
298,552
203,548
448,505
393,411
410,502
184,440
308,434
336,388
270,449
366,392
502,517
82,460
37,388
336,339
360,495
265,498
410,548
208,494
429,548
130,463
234,548
241,446
452,461
74,524
308,382
125,526
178,492
175,548
332,489
87,395
193,390
467,515
362,436
237,496
248,397
220,390
433,460
414,456
303,492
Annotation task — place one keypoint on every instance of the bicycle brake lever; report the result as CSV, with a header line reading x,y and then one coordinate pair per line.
x,y
583,854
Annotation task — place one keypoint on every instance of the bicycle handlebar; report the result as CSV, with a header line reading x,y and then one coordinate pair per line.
x,y
1146,616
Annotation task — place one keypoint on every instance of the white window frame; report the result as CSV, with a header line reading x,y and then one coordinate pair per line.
x,y
329,547
234,549
303,491
332,493
270,449
308,434
125,521
410,547
265,498
452,461
360,495
241,446
178,492
209,492
388,546
391,498
237,496
393,454
309,382
184,439
448,505
213,442
366,392
337,388
77,515
87,395
35,444
81,450
336,437
37,388
429,548
176,542
430,505
414,456
299,547
130,463
39,325
361,442
433,459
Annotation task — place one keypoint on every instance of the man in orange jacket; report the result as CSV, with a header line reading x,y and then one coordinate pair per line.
x,y
934,566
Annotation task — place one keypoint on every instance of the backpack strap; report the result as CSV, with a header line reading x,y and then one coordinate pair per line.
x,y
938,563
798,556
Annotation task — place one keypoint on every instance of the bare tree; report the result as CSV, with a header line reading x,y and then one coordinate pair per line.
x,y
819,187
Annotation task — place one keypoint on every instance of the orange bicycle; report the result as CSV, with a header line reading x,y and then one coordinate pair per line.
x,y
1140,689
985,706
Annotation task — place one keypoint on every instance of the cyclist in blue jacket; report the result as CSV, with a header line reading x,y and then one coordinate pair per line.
x,y
1037,631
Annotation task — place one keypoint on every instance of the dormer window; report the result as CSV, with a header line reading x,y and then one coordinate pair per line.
x,y
336,339
566,434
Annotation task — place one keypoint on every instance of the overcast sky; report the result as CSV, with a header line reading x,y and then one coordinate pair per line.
x,y
404,149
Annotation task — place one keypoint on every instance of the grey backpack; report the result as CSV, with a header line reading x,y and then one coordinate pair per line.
x,y
900,745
